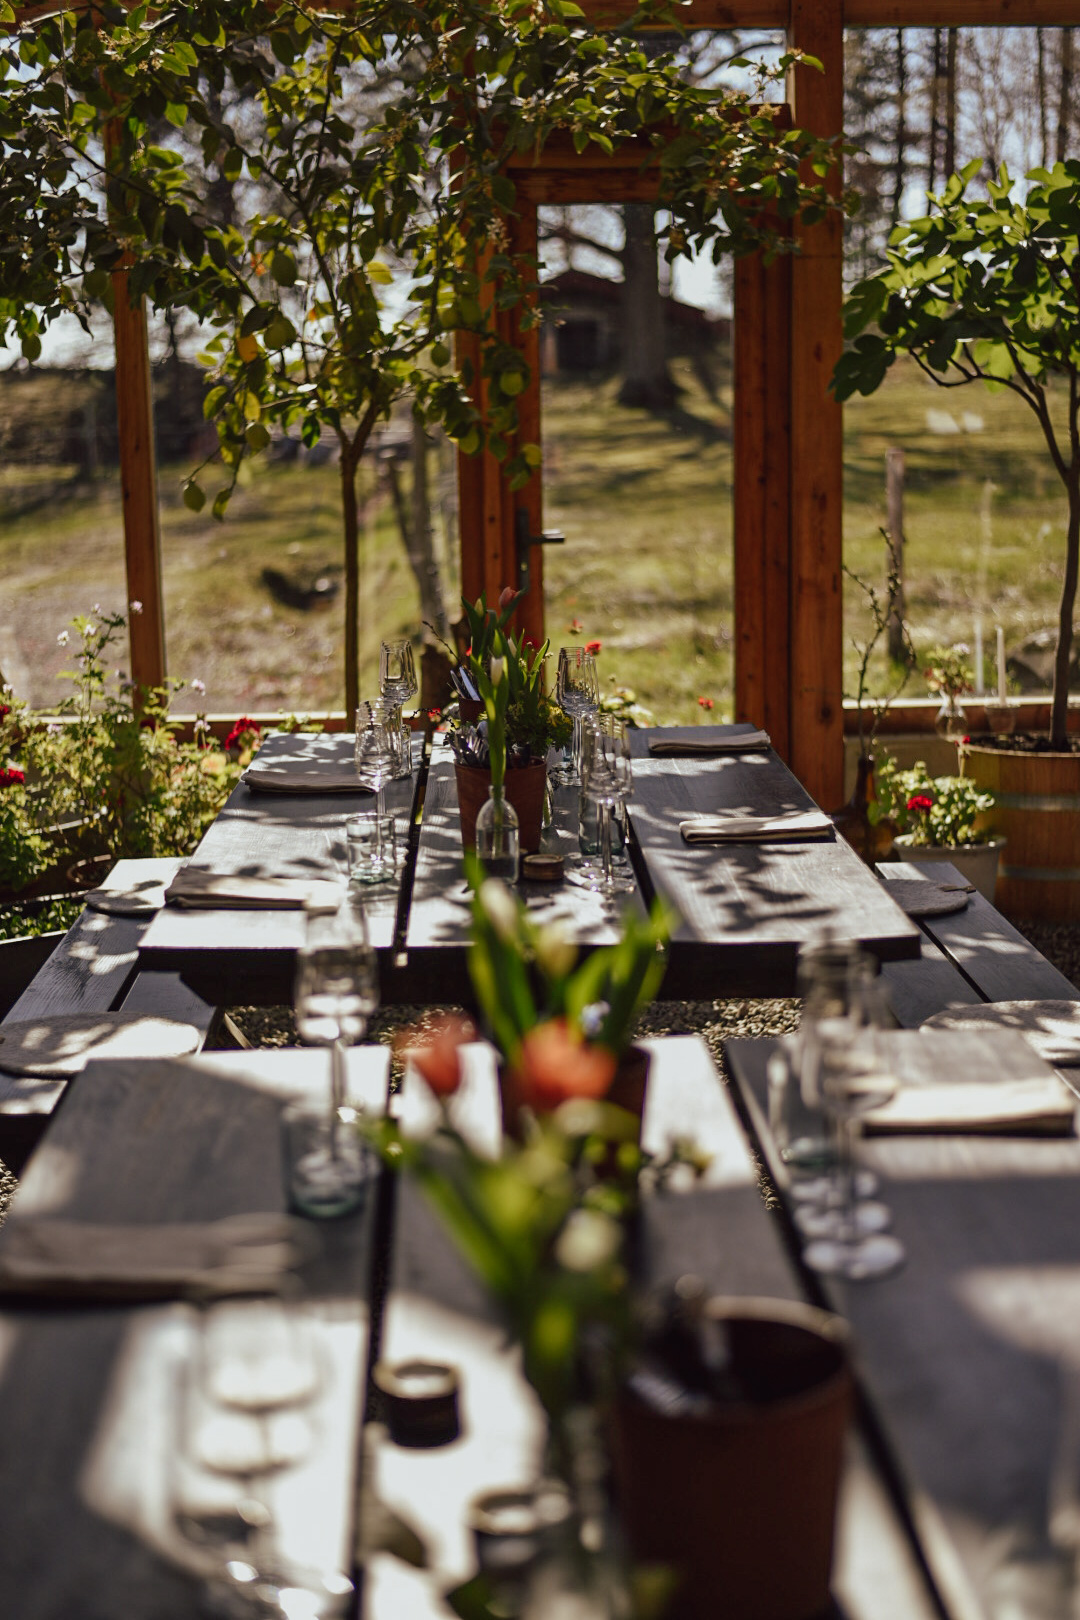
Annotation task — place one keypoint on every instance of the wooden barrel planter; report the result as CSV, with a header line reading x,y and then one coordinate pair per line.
x,y
1038,814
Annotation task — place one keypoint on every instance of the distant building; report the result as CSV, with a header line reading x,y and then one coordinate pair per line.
x,y
582,327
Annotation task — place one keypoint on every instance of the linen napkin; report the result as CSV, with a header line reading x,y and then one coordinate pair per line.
x,y
955,1082
77,1260
1051,1027
315,779
746,742
195,886
61,1045
731,828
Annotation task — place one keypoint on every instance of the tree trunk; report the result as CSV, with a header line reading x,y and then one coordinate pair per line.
x,y
1044,121
936,77
1059,713
1065,95
350,459
950,104
900,169
646,380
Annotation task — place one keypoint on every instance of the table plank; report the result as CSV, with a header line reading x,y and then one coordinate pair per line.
x,y
248,957
746,908
993,956
84,1392
720,1230
968,1355
439,923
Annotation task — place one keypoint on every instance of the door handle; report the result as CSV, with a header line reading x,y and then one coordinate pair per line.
x,y
524,540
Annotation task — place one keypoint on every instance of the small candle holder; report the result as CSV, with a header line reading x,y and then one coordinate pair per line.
x,y
1000,718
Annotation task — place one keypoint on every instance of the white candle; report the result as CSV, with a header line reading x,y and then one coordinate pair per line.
x,y
1001,663
980,684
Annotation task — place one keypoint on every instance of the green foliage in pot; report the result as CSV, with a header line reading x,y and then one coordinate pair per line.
x,y
937,812
987,290
532,721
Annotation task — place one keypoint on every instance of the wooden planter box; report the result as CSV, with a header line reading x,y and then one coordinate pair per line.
x,y
1038,814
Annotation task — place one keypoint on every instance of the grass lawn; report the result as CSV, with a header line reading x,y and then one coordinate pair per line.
x,y
645,503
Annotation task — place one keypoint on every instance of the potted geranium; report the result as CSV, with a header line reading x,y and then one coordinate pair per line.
x,y
942,818
984,291
505,726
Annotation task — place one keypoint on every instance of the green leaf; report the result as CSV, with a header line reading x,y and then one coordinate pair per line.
x,y
194,497
176,113
221,502
252,406
440,354
283,268
31,346
379,273
213,402
257,437
511,382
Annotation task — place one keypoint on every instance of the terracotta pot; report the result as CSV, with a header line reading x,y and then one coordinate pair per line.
x,y
627,1089
740,1499
977,862
1038,813
524,787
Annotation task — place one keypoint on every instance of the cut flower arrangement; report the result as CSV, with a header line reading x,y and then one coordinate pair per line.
x,y
532,721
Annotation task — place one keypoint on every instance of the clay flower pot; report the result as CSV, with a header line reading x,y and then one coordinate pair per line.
x,y
739,1497
524,788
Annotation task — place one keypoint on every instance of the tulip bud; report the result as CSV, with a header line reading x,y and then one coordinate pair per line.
x,y
497,667
506,596
555,950
589,1240
501,909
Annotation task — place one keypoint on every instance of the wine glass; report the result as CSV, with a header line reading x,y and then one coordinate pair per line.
x,y
398,683
849,1079
335,994
606,780
578,693
375,757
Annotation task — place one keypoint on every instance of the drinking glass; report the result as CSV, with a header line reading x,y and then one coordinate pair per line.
x,y
398,683
335,994
578,693
850,1077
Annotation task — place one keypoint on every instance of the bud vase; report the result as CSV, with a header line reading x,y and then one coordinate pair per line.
x,y
498,839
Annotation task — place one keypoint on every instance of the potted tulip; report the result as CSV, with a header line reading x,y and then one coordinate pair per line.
x,y
941,818
983,291
506,722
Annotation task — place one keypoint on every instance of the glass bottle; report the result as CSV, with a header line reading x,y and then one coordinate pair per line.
x,y
498,838
871,839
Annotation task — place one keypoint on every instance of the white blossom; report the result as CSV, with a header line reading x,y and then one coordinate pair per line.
x,y
62,639
135,607
198,686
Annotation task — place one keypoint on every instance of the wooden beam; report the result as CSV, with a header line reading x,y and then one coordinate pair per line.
x,y
817,719
138,478
761,336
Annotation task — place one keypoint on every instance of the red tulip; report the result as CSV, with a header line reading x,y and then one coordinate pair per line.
x,y
557,1065
437,1056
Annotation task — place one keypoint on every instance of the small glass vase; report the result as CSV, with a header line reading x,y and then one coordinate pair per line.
x,y
950,721
498,837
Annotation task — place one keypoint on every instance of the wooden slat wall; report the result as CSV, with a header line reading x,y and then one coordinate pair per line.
x,y
817,718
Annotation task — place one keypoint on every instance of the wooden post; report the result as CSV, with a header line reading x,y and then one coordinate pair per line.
x,y
817,717
894,509
138,476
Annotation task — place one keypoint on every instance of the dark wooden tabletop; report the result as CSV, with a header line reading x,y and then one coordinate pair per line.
x,y
85,1399
745,909
969,1355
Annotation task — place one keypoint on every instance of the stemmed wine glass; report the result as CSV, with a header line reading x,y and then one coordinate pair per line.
x,y
375,758
578,693
398,683
335,994
848,1079
607,781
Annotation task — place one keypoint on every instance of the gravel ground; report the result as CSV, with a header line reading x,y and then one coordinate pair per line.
x,y
715,1021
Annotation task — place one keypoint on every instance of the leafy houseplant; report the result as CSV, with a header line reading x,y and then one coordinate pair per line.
x,y
941,818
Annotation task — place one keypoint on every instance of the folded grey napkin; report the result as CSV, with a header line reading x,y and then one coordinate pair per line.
x,y
962,1082
61,1045
314,779
194,886
746,742
736,829
920,898
79,1260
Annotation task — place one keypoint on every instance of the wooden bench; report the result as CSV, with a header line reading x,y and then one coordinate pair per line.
x,y
93,969
968,957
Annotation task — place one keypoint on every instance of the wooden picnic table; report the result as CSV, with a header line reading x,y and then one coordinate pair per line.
x,y
86,1405
745,909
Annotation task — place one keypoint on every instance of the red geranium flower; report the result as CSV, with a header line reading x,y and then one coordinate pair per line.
x,y
593,646
242,728
12,777
920,801
575,627
705,703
